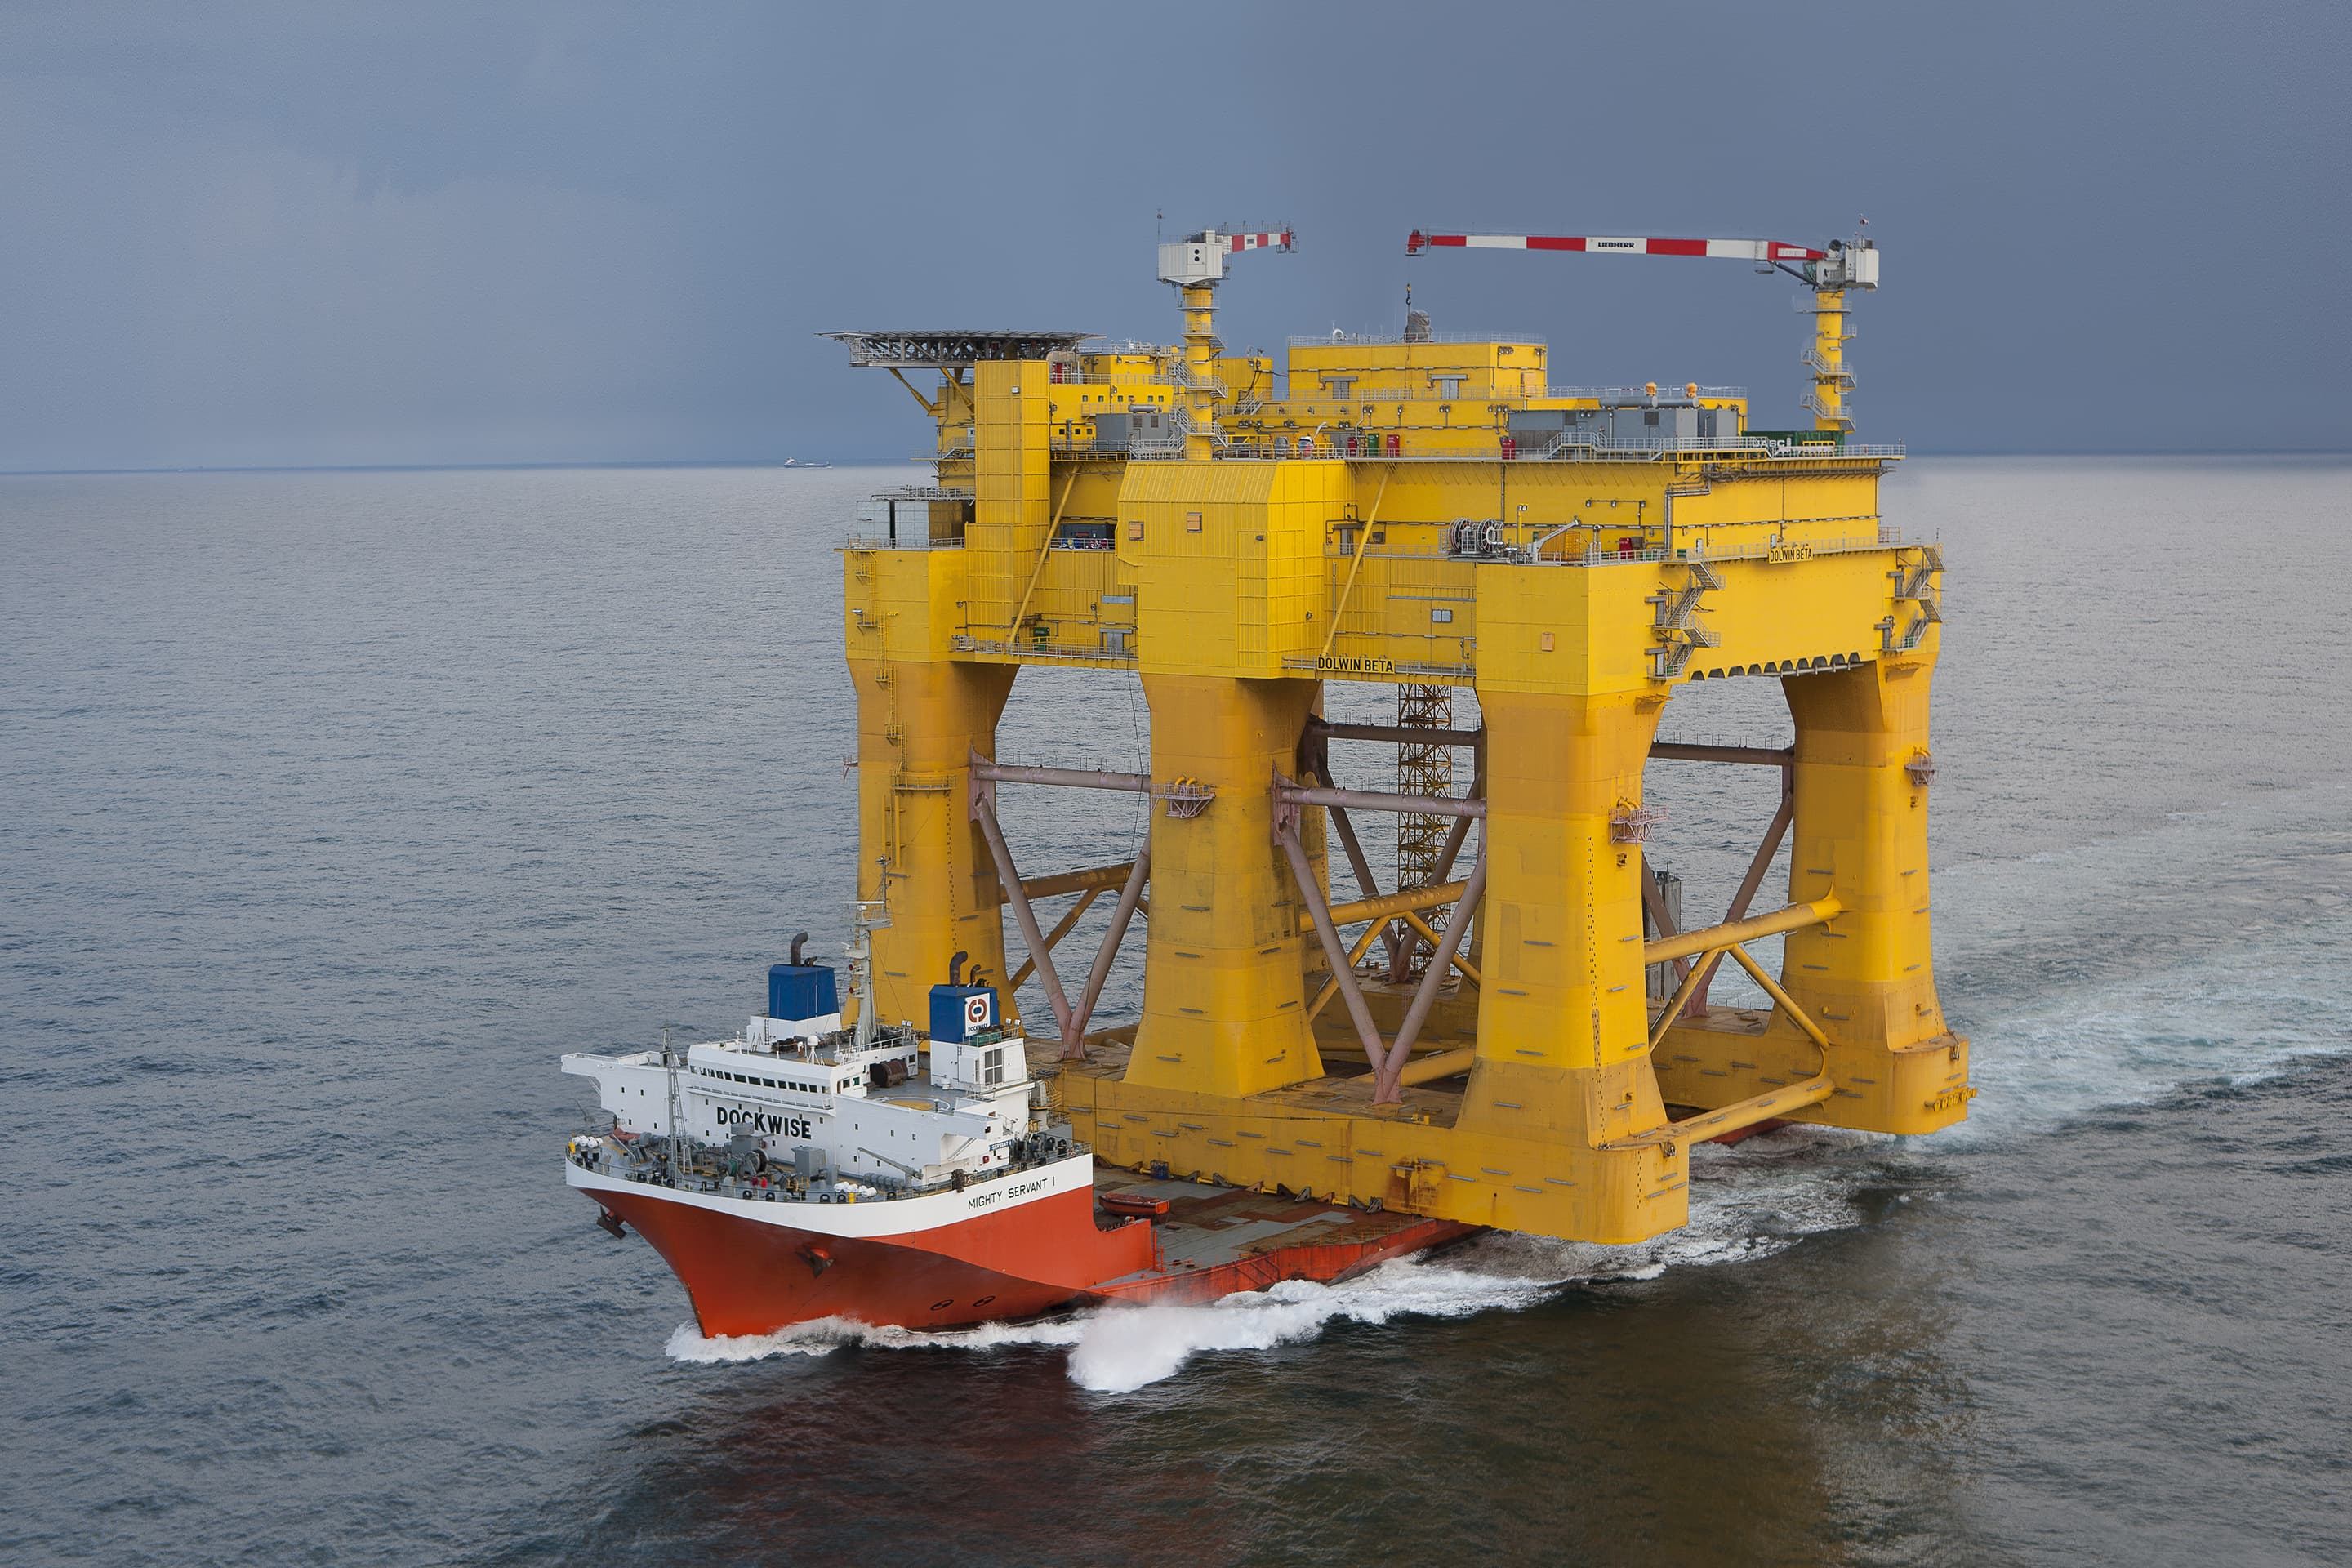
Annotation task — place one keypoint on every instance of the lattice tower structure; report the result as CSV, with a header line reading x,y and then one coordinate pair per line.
x,y
1422,768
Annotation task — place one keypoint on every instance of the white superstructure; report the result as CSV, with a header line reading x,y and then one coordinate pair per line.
x,y
801,1093
821,1109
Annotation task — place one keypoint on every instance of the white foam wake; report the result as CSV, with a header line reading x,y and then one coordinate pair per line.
x,y
2228,956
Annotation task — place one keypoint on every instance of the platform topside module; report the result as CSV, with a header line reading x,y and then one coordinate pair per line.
x,y
1519,1036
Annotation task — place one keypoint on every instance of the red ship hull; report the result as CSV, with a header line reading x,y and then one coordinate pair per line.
x,y
749,1275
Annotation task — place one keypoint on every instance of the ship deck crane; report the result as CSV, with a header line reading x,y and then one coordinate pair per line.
x,y
1846,264
1195,266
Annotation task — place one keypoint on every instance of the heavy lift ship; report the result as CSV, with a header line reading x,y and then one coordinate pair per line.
x,y
1522,1036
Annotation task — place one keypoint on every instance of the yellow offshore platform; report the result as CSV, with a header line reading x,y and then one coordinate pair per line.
x,y
1517,1036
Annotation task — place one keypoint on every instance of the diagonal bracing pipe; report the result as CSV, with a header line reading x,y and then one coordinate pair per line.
x,y
1009,878
1426,996
1459,832
1343,971
1331,987
1074,1042
1054,938
1748,884
1346,830
1362,866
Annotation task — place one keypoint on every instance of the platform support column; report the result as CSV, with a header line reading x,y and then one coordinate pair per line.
x,y
1563,1031
1223,1001
917,724
1860,836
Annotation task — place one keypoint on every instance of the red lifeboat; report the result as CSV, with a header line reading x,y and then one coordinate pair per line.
x,y
1138,1204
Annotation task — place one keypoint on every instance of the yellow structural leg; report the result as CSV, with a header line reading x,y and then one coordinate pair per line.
x,y
1563,1037
915,732
1563,1030
920,715
1866,977
1861,837
1223,1005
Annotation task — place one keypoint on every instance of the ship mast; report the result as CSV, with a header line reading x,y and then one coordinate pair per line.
x,y
860,955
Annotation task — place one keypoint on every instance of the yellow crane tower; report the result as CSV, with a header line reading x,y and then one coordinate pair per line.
x,y
1431,511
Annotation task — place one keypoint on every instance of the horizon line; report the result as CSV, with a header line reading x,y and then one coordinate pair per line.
x,y
779,463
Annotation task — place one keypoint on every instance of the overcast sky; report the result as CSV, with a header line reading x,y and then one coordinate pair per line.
x,y
413,233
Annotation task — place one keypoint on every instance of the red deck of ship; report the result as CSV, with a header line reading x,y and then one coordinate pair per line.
x,y
1217,1240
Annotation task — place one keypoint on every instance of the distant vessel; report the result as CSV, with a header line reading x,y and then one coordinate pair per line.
x,y
796,463
806,1170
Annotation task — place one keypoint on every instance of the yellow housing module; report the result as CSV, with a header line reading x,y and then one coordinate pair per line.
x,y
1522,1039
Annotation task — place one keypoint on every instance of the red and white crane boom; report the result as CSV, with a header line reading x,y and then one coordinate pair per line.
x,y
1735,249
1846,264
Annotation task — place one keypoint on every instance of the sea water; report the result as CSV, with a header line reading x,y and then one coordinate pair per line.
x,y
334,807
